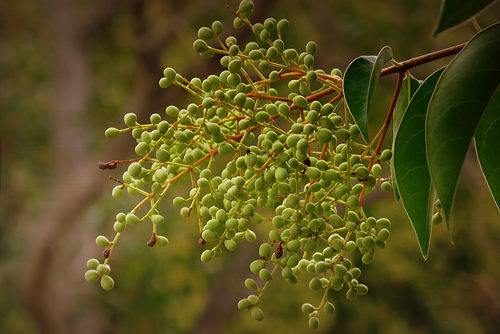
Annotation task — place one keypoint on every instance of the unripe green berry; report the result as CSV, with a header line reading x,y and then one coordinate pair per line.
x,y
265,275
217,27
256,266
117,192
130,119
257,313
107,283
91,276
315,284
437,218
161,240
383,235
351,294
207,255
102,241
132,219
352,201
230,245
329,308
385,186
386,155
200,46
244,304
313,322
205,33
92,263
367,258
251,284
172,111
300,101
119,227
169,74
265,250
311,48
112,132
383,223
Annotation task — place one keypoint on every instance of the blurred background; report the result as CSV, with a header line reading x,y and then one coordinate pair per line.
x,y
70,69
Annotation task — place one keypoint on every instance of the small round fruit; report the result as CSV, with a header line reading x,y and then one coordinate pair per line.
x,y
313,322
161,240
257,313
107,283
130,119
102,241
315,284
207,255
92,263
385,186
91,275
244,304
112,132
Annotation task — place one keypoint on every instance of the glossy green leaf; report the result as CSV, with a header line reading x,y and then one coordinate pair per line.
x,y
408,88
487,140
454,12
459,100
360,81
410,164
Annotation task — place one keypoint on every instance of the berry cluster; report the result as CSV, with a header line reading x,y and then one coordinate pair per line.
x,y
294,162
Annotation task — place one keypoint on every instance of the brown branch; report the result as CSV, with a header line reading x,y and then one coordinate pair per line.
x,y
420,60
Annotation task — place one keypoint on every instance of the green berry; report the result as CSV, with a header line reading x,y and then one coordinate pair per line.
x,y
386,155
244,304
205,33
207,255
132,219
164,83
383,235
119,227
91,276
300,101
246,8
256,266
117,192
217,27
102,241
352,201
361,289
172,111
107,283
112,132
169,73
265,250
311,47
200,46
257,313
130,119
251,284
315,284
385,186
383,223
351,294
329,308
313,322
92,263
307,308
265,275
161,240
437,218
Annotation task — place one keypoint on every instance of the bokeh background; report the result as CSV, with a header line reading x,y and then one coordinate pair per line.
x,y
69,69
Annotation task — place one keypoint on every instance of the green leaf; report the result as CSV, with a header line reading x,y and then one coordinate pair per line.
x,y
408,88
487,140
459,100
360,80
454,12
410,164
